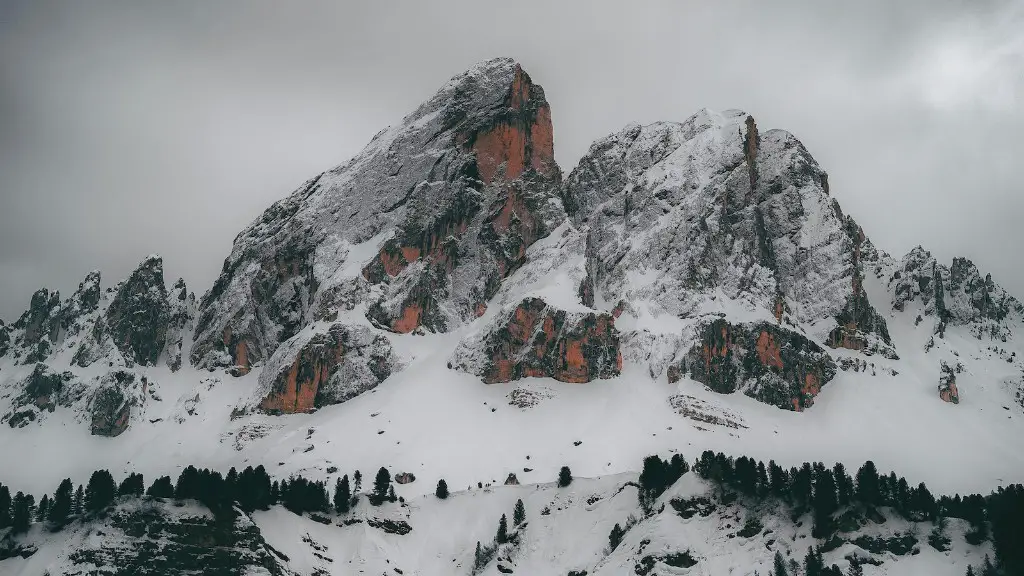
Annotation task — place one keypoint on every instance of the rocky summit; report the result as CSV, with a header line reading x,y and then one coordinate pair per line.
x,y
448,305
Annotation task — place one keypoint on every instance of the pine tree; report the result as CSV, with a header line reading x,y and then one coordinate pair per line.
x,y
78,505
519,514
970,570
867,485
133,485
5,506
615,538
478,556
780,562
44,507
342,495
382,482
357,480
100,491
161,488
813,564
844,484
825,502
391,494
502,536
777,479
442,489
21,512
60,509
856,569
564,477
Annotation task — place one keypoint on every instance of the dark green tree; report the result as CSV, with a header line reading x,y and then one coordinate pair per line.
x,y
21,512
442,489
60,509
825,502
844,484
868,492
519,514
777,479
161,488
564,477
502,535
133,485
5,506
43,508
780,562
615,538
100,491
342,495
78,504
382,482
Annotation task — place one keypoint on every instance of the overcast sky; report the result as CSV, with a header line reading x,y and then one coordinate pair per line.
x,y
128,128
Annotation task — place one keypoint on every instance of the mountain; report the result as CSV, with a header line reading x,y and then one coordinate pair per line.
x,y
447,305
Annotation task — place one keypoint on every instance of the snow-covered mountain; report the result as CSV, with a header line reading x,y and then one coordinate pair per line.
x,y
446,304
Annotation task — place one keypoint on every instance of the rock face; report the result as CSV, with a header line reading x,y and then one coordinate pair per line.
x,y
947,384
768,362
422,225
137,317
111,404
40,326
181,312
680,215
320,368
42,391
955,294
534,339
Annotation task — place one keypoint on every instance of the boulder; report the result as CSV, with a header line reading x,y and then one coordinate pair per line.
x,y
111,403
405,477
947,384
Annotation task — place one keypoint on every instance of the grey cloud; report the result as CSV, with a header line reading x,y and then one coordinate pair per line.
x,y
132,128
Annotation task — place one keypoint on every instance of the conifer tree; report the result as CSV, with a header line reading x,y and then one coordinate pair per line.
x,y
564,477
342,495
21,512
519,514
780,562
844,484
5,506
442,489
161,488
382,482
868,491
78,505
43,508
357,480
60,509
391,494
100,491
502,536
615,538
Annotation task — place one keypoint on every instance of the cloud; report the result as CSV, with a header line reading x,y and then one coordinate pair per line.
x,y
167,127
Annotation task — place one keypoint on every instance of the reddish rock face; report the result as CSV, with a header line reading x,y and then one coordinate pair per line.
x,y
773,364
542,341
296,390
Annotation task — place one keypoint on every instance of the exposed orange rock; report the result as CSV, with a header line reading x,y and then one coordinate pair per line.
x,y
950,394
409,320
242,357
520,89
503,144
297,391
540,341
542,142
780,305
768,351
480,309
